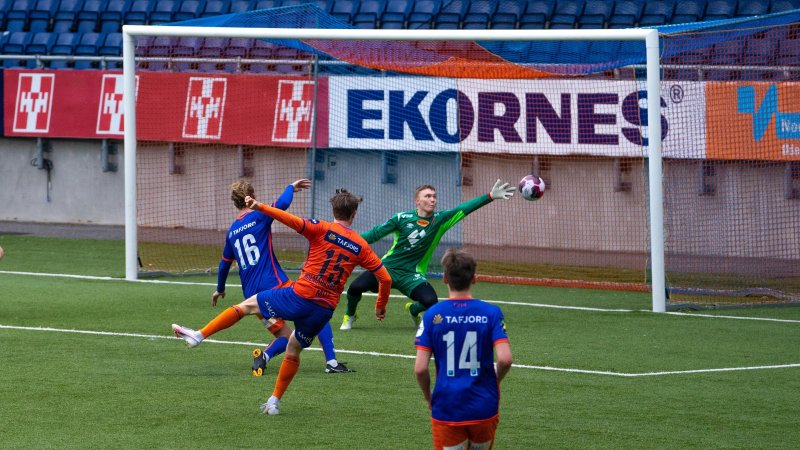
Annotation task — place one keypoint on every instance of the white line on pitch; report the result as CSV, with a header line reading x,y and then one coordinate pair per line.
x,y
395,355
534,305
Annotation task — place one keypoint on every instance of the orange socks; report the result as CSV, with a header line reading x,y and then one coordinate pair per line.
x,y
224,320
286,373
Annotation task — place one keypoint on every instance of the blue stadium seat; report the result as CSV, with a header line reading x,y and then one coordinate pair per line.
x,y
657,12
369,13
41,43
626,14
396,11
163,11
537,13
216,8
567,12
88,45
188,9
788,53
42,15
16,43
187,47
759,52
139,12
65,44
500,25
110,20
111,46
784,5
753,8
688,11
392,24
423,11
89,15
698,57
267,4
720,9
17,15
65,15
596,14
479,14
344,10
725,53
260,49
508,12
213,47
237,48
238,6
452,12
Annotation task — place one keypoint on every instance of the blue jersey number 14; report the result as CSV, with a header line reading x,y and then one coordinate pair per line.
x,y
468,358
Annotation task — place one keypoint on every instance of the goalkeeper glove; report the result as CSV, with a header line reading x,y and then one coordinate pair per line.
x,y
501,190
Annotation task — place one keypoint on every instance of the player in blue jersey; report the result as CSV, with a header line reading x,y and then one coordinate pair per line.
x,y
465,336
249,243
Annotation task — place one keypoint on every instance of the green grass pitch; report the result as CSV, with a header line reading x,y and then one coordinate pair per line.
x,y
594,369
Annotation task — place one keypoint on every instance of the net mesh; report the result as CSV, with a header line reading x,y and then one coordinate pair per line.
x,y
572,112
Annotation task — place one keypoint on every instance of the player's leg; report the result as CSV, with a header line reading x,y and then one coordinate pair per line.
x,y
225,319
365,282
481,435
309,319
281,331
423,296
325,337
449,437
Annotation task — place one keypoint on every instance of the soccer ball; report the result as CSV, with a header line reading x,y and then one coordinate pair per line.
x,y
531,187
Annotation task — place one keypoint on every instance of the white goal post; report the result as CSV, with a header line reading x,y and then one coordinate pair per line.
x,y
649,36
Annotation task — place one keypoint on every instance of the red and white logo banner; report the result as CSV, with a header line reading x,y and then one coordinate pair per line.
x,y
34,102
255,110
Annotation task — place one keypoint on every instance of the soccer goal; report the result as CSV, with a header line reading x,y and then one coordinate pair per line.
x,y
410,107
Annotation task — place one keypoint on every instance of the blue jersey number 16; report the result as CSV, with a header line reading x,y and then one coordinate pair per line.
x,y
468,358
248,244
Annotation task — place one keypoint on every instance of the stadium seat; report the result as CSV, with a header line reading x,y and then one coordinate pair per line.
x,y
111,46
138,13
452,12
396,11
16,42
567,12
344,10
573,52
422,12
720,9
188,9
88,45
238,6
17,15
163,11
788,53
779,6
216,8
88,17
657,12
392,24
625,13
752,8
699,57
369,12
260,49
110,20
64,17
508,12
42,15
688,11
266,4
41,43
596,14
237,48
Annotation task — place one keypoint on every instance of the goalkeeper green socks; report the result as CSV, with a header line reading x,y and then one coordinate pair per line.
x,y
416,309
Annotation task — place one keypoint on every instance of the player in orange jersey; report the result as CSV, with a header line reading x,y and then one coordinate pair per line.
x,y
334,251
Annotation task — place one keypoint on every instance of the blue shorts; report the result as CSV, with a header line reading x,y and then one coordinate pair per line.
x,y
308,317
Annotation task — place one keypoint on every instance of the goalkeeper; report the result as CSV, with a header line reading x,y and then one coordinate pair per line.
x,y
416,234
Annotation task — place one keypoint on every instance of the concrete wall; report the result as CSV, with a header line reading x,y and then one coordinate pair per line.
x,y
80,192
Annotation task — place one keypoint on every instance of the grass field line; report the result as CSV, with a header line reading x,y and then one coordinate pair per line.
x,y
499,302
396,355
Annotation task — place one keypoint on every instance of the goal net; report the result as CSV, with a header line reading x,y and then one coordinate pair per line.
x,y
382,117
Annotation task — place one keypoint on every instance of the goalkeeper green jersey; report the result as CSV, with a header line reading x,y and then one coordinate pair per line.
x,y
416,237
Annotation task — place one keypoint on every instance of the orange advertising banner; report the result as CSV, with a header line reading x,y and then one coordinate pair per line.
x,y
753,121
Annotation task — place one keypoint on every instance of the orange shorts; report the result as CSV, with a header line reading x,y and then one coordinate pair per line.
x,y
478,436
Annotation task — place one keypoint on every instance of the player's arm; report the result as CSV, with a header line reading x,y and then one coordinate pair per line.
x,y
423,373
384,287
285,200
222,273
290,220
503,359
378,232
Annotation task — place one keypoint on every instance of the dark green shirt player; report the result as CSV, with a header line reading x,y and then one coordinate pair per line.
x,y
416,234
